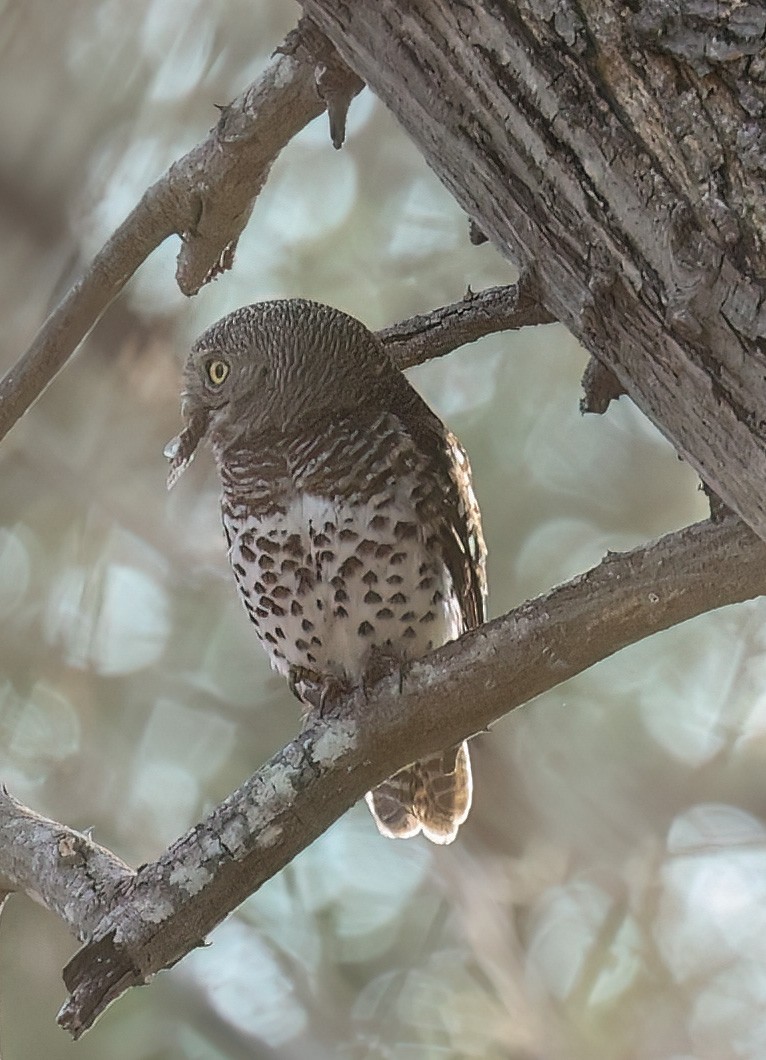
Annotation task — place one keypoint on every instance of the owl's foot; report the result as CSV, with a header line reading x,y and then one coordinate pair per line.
x,y
316,691
382,661
332,689
298,675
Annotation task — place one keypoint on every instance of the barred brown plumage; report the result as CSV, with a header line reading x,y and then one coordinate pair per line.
x,y
352,524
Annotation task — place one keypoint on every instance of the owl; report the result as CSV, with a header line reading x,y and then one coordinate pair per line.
x,y
353,531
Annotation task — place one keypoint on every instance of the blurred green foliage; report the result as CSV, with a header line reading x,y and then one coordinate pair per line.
x,y
606,897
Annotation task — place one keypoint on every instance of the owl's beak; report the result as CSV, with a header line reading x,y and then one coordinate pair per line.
x,y
181,449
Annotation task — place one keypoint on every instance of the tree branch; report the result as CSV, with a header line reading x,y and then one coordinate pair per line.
x,y
206,197
628,178
59,867
421,338
149,920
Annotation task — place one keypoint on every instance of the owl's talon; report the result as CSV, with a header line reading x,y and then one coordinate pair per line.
x,y
381,662
401,672
300,674
320,691
332,689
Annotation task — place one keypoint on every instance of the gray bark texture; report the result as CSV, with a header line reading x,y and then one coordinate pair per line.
x,y
617,152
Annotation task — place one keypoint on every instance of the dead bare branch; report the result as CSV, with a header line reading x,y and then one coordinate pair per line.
x,y
435,334
206,198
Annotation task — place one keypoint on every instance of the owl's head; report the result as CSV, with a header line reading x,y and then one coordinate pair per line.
x,y
268,367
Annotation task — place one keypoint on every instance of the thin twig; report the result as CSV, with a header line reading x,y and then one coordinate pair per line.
x,y
421,338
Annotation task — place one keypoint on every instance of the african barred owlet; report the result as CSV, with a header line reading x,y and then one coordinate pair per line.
x,y
352,526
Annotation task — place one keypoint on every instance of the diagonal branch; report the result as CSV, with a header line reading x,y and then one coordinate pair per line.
x,y
206,198
150,920
435,334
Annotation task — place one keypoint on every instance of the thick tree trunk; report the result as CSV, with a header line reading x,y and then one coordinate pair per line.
x,y
617,150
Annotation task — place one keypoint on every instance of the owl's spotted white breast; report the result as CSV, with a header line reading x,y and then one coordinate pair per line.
x,y
325,582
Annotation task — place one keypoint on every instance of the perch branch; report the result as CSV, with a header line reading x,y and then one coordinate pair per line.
x,y
153,918
434,334
206,197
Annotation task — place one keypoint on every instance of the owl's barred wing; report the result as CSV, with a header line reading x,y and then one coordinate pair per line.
x,y
403,435
467,562
452,504
434,795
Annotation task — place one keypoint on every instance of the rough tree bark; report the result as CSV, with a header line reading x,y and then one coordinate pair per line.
x,y
618,152
615,152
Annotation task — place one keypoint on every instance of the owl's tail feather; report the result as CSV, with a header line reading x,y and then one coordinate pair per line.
x,y
432,796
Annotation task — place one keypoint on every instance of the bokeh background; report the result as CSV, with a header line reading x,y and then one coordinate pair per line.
x,y
607,898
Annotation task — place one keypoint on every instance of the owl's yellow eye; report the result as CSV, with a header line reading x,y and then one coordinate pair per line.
x,y
217,371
